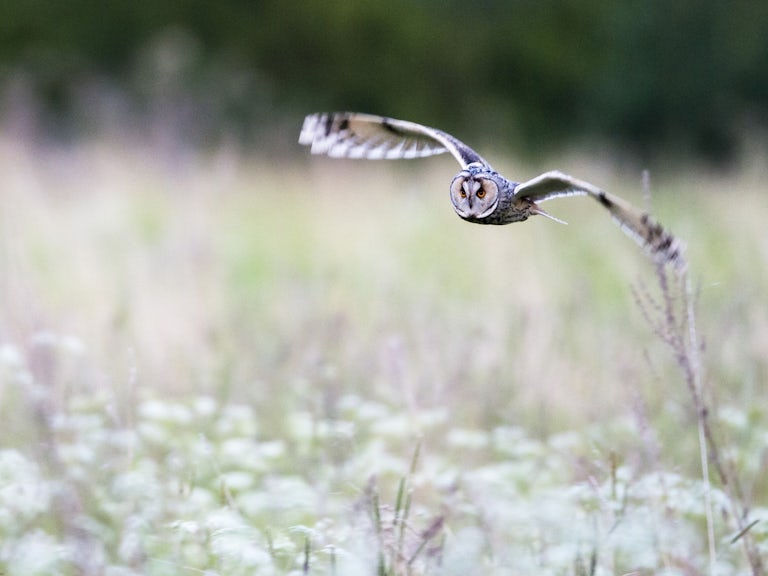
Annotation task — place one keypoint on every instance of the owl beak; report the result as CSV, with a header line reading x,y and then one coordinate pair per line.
x,y
470,196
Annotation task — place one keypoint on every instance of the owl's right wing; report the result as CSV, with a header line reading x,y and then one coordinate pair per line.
x,y
355,135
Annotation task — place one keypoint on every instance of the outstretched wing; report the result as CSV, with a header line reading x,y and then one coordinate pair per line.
x,y
554,184
354,135
660,244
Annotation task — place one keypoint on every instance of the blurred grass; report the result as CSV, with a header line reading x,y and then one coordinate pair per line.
x,y
347,300
221,267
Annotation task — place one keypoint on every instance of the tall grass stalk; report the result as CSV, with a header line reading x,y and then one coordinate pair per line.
x,y
673,320
400,546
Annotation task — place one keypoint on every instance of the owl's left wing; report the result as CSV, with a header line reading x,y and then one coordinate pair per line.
x,y
554,184
355,135
658,242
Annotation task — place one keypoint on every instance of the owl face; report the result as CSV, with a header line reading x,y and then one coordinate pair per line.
x,y
474,193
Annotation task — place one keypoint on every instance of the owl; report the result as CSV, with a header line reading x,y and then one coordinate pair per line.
x,y
478,193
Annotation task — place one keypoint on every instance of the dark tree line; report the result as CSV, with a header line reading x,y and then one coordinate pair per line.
x,y
643,74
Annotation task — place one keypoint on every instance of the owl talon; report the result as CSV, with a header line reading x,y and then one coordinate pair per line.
x,y
541,212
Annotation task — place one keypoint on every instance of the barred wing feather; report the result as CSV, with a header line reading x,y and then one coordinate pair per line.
x,y
354,135
650,235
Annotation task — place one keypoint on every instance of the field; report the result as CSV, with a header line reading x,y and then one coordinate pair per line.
x,y
219,364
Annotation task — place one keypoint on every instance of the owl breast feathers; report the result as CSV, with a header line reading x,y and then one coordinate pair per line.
x,y
478,193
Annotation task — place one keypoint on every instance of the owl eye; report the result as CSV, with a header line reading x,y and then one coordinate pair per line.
x,y
481,193
462,193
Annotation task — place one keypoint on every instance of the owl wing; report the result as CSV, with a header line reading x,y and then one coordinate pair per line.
x,y
354,135
660,244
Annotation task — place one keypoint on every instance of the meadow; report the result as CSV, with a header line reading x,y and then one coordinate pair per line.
x,y
212,363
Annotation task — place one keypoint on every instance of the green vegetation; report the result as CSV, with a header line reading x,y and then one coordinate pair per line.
x,y
647,76
211,363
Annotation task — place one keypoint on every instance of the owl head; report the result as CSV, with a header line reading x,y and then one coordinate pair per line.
x,y
475,192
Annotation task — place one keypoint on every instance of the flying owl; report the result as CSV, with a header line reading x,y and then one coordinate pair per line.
x,y
479,194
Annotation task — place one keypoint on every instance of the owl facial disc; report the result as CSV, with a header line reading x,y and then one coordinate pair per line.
x,y
474,193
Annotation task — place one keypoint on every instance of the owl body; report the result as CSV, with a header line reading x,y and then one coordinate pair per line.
x,y
481,195
478,193
510,210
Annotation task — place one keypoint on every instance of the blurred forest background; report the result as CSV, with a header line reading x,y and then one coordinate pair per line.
x,y
647,77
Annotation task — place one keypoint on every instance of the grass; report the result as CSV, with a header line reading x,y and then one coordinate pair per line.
x,y
212,364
